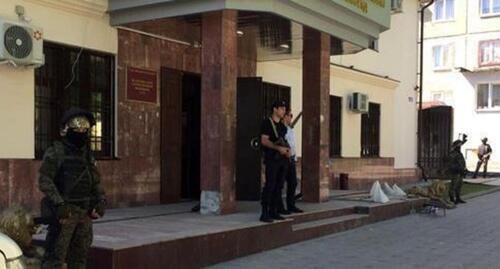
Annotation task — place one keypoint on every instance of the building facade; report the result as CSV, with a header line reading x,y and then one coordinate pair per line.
x,y
391,154
162,80
461,60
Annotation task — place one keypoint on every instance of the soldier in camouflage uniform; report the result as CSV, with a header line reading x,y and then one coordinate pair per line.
x,y
73,193
456,171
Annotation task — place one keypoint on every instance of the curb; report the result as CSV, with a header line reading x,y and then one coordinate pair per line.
x,y
482,193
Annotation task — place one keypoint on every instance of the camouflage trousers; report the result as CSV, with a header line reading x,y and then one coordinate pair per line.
x,y
456,186
68,242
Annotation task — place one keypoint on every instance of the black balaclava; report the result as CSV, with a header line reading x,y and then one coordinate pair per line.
x,y
77,138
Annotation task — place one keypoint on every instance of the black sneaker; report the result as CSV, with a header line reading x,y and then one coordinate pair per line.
x,y
266,219
277,217
284,212
296,210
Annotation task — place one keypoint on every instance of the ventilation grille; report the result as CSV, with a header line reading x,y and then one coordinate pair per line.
x,y
18,42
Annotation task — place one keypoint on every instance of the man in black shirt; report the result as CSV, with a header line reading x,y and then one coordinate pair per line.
x,y
276,160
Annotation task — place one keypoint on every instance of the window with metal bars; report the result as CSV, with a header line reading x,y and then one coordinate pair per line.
x,y
370,131
76,77
335,125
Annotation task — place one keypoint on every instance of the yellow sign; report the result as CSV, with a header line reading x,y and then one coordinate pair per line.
x,y
363,4
380,3
360,4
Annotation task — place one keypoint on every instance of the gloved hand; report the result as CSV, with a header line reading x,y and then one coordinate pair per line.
x,y
63,211
98,209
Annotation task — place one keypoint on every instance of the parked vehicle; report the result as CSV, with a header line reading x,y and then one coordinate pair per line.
x,y
10,254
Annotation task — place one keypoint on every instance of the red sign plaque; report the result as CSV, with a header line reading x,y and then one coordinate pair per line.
x,y
141,85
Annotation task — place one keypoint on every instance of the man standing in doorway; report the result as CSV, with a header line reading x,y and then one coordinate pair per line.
x,y
291,175
483,154
276,160
73,192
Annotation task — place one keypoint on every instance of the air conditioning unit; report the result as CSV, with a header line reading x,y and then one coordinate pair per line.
x,y
21,44
359,102
397,6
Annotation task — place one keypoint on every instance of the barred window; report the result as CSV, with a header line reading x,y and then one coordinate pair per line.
x,y
370,131
77,77
335,125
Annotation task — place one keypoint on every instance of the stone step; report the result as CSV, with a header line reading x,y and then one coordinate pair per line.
x,y
319,215
322,227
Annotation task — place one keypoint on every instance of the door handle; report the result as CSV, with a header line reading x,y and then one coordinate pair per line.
x,y
255,143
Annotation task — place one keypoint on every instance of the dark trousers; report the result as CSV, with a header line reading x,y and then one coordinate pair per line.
x,y
291,185
455,186
275,176
478,166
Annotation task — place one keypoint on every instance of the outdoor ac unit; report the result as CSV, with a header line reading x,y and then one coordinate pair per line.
x,y
397,5
359,102
21,44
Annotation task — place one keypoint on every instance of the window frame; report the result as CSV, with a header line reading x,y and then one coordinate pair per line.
x,y
450,52
491,43
58,101
489,108
434,19
489,14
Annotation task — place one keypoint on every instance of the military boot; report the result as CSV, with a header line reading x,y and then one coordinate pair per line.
x,y
452,198
265,217
459,200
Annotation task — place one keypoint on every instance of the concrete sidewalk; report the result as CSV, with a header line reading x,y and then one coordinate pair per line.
x,y
165,236
467,238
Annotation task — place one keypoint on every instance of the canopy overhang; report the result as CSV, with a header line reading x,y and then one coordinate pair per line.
x,y
356,21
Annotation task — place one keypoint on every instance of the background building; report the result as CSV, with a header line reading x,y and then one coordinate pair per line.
x,y
461,68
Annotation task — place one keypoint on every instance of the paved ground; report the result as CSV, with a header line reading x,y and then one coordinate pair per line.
x,y
492,181
468,237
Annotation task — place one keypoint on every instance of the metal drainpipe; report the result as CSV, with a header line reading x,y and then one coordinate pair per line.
x,y
420,92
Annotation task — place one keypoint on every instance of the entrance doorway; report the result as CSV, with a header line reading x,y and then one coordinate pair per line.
x,y
191,113
254,103
180,135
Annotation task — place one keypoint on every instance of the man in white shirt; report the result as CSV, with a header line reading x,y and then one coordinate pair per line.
x,y
291,176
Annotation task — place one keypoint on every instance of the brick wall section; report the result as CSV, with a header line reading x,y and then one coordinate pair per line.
x,y
363,172
134,178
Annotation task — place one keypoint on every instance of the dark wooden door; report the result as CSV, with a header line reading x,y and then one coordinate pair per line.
x,y
370,131
254,103
248,153
191,121
171,135
436,139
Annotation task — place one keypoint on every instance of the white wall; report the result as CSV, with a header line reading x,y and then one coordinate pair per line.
x,y
397,58
381,91
343,82
70,22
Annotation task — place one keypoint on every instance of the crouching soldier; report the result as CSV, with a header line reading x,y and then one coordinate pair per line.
x,y
73,193
456,171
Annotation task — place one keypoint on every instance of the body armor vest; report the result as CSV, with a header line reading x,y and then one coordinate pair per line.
x,y
74,178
